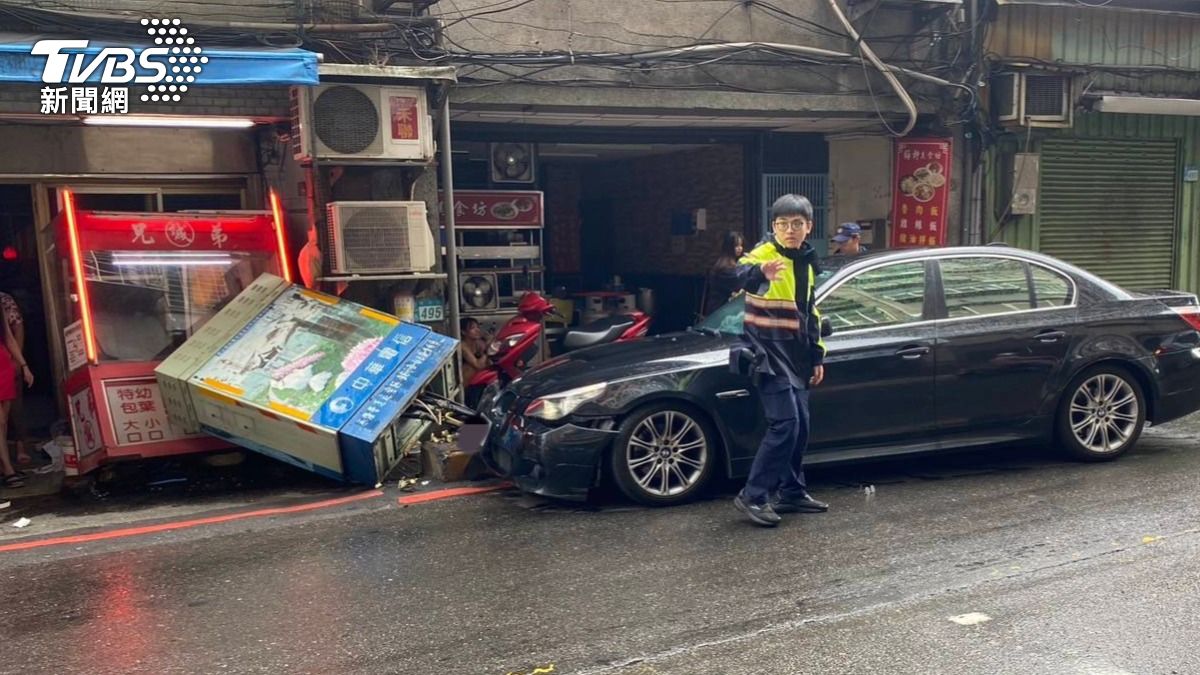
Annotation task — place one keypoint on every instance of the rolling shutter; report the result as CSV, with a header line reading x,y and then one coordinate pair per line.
x,y
1109,206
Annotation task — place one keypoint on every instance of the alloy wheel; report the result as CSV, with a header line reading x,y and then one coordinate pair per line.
x,y
667,453
1104,413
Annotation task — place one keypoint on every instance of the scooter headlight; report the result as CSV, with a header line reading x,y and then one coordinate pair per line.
x,y
501,346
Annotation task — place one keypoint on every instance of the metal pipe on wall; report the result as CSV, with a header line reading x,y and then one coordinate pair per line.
x,y
448,221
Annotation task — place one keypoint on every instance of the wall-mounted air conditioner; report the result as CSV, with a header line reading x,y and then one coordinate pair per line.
x,y
379,238
361,122
1032,99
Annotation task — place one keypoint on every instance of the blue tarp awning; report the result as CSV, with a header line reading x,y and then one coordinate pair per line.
x,y
225,66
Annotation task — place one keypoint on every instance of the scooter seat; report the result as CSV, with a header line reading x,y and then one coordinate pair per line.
x,y
598,332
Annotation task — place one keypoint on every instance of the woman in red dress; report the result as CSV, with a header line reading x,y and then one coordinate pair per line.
x,y
11,360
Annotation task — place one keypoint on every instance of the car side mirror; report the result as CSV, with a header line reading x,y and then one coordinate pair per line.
x,y
826,327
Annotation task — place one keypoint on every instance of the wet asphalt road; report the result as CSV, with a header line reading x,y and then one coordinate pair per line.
x,y
1077,569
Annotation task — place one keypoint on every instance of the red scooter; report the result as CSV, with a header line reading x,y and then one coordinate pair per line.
x,y
517,342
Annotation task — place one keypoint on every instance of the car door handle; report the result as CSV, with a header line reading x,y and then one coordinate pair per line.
x,y
1050,336
914,352
739,393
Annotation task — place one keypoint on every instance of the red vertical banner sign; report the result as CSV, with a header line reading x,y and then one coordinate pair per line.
x,y
921,192
404,118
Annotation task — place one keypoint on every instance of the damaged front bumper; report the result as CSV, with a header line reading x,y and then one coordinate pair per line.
x,y
560,461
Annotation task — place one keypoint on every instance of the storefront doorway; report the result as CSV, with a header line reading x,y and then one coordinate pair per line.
x,y
643,212
20,278
29,262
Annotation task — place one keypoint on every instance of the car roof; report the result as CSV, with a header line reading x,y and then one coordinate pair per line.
x,y
918,253
997,249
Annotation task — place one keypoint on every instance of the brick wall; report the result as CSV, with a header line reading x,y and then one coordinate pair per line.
x,y
646,191
563,188
242,101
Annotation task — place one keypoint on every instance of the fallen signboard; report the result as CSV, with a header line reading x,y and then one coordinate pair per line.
x,y
304,377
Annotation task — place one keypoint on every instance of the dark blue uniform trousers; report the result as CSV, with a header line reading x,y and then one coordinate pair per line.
x,y
778,465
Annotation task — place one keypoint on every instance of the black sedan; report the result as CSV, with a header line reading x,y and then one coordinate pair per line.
x,y
929,350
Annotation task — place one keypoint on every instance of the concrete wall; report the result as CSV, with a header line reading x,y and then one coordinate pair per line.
x,y
636,25
860,177
245,10
64,150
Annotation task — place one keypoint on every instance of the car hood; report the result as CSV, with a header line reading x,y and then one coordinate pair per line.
x,y
623,361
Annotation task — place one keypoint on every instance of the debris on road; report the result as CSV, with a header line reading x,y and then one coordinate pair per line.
x,y
22,523
971,619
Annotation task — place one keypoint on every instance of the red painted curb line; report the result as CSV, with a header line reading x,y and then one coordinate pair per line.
x,y
185,524
449,493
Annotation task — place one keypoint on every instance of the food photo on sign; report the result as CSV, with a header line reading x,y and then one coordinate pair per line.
x,y
921,192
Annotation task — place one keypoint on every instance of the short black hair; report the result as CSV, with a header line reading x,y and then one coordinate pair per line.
x,y
792,205
466,322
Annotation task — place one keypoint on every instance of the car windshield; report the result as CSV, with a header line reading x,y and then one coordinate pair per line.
x,y
727,319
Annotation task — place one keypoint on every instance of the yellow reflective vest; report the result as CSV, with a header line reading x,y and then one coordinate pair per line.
x,y
781,318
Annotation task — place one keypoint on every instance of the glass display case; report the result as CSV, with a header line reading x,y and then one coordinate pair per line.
x,y
136,287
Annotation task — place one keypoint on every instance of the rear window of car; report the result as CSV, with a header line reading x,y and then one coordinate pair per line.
x,y
977,287
1051,288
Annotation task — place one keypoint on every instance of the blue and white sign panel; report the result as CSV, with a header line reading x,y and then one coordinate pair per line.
x,y
358,437
391,353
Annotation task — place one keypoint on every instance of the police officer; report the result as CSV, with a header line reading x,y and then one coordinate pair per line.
x,y
848,240
783,352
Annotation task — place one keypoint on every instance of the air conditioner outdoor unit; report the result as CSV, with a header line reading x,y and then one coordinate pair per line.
x,y
1033,99
361,122
379,238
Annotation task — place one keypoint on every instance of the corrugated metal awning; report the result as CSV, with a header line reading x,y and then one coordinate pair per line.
x,y
1188,7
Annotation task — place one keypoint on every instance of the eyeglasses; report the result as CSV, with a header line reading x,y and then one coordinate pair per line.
x,y
793,225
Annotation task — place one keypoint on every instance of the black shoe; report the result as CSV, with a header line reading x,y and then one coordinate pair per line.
x,y
801,503
761,514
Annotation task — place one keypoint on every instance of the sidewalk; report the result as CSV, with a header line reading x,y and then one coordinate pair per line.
x,y
178,495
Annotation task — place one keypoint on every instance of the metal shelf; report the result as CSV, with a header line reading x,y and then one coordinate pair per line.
x,y
385,277
525,252
532,269
493,228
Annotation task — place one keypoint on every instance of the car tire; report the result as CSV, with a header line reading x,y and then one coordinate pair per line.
x,y
668,441
1101,414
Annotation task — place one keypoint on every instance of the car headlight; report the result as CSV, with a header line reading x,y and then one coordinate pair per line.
x,y
501,346
558,406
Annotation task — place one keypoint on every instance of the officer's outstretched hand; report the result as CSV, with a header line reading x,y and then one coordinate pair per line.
x,y
772,268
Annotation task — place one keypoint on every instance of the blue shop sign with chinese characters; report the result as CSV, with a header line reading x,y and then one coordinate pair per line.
x,y
384,407
370,375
